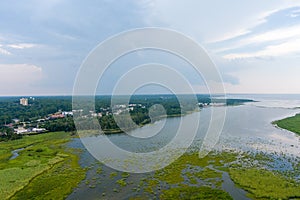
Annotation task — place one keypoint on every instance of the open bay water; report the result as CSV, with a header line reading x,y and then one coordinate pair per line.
x,y
247,128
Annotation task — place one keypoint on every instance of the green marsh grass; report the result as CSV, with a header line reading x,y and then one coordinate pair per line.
x,y
44,169
263,184
291,123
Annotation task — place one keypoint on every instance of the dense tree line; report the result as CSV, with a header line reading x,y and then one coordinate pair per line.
x,y
40,107
10,108
64,124
7,133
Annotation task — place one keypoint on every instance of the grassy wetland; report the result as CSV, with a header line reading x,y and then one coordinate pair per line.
x,y
291,123
219,175
185,178
46,169
43,169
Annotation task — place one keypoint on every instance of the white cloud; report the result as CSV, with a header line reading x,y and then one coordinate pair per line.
x,y
215,21
256,19
22,46
3,51
245,28
277,35
15,46
294,14
285,48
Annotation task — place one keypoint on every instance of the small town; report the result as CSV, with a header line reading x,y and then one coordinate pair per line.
x,y
37,127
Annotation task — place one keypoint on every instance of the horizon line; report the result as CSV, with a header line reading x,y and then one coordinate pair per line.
x,y
70,95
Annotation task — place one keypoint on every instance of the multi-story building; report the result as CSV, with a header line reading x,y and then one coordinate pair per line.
x,y
24,101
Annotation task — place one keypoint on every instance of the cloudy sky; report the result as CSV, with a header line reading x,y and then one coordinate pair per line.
x,y
255,44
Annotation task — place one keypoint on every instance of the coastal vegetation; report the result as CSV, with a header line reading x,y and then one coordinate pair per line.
x,y
194,193
291,123
46,169
43,169
190,175
264,184
46,112
9,134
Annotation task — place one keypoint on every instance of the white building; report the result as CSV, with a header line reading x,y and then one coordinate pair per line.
x,y
24,101
38,130
21,130
67,113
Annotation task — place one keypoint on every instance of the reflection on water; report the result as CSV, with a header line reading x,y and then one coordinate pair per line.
x,y
247,128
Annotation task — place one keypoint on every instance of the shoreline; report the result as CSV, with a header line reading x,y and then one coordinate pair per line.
x,y
119,131
291,124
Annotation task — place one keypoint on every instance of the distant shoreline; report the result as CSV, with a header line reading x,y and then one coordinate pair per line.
x,y
146,94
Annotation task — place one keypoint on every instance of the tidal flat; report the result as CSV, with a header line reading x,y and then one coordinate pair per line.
x,y
220,175
249,172
47,168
